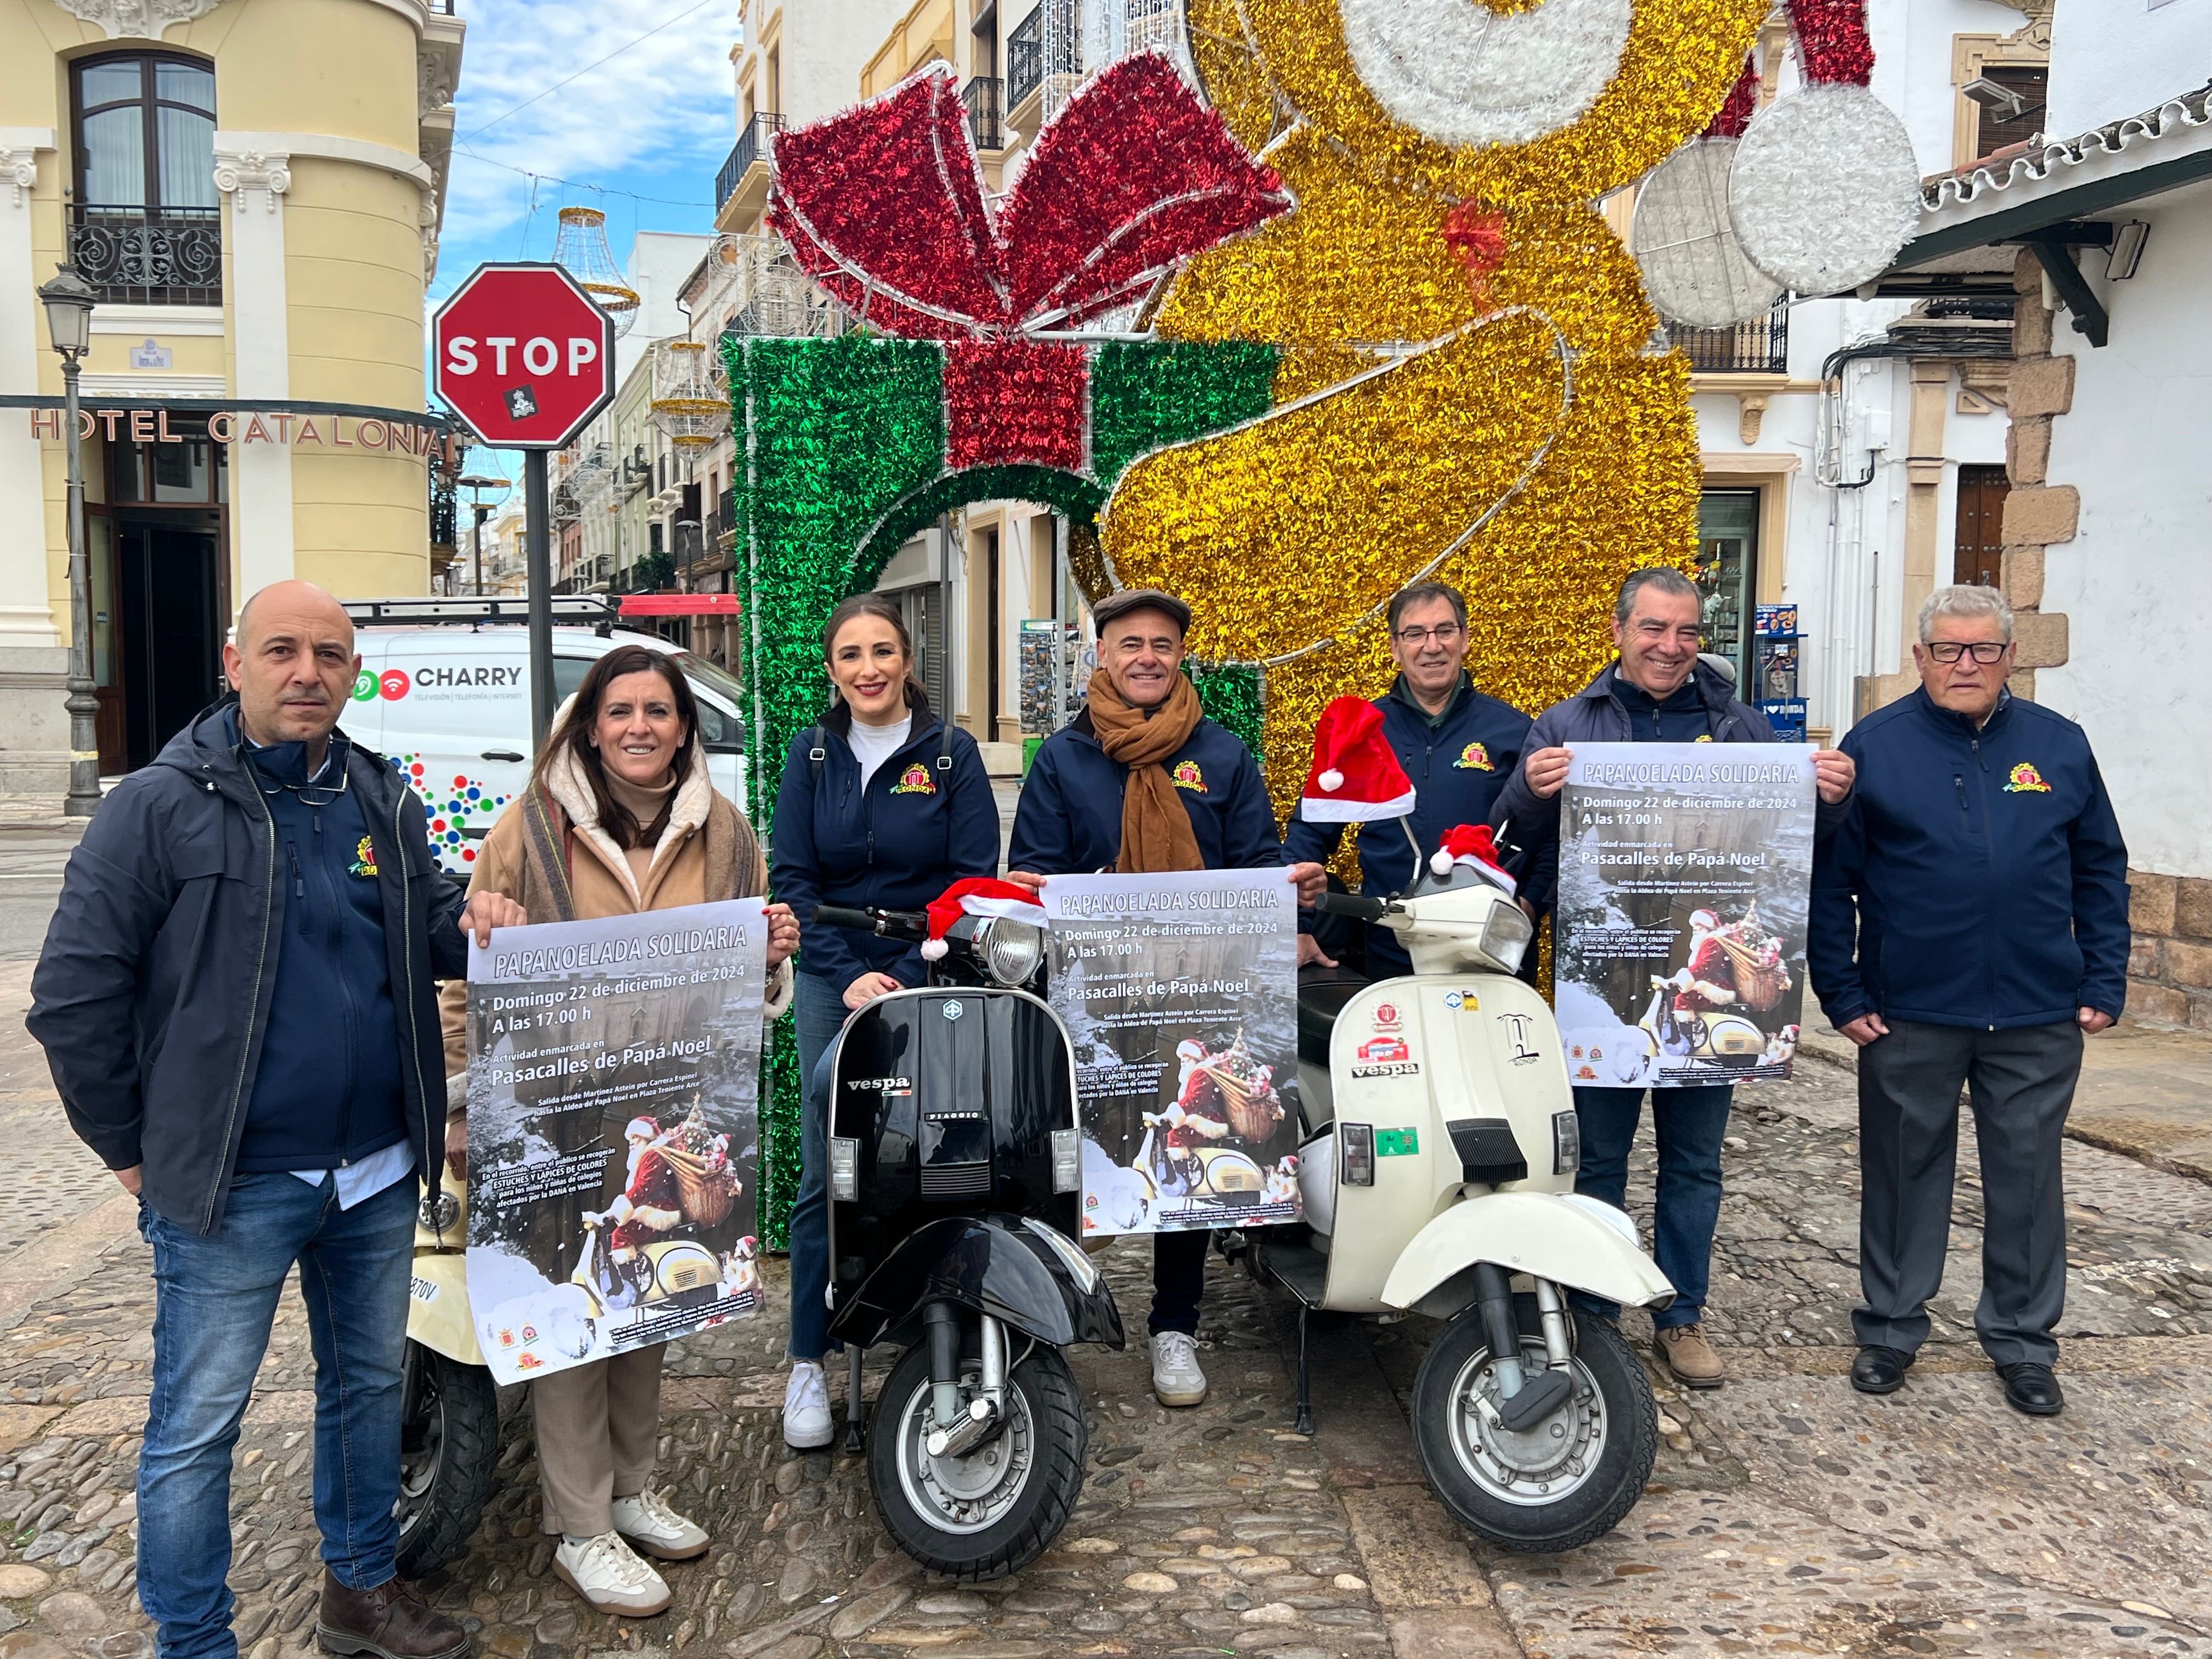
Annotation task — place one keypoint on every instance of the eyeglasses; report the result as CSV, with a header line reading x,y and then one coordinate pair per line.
x,y
312,793
1985,652
1414,638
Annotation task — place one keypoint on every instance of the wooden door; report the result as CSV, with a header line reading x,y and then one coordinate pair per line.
x,y
1977,557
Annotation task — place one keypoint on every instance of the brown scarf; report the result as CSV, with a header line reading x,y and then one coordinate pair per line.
x,y
1155,832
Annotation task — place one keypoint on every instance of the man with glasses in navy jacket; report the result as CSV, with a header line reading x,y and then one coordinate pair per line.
x,y
1969,926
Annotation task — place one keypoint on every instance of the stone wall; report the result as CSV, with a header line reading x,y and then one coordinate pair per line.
x,y
2169,965
2038,513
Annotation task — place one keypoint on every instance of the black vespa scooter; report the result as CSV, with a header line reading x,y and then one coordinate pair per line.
x,y
954,1188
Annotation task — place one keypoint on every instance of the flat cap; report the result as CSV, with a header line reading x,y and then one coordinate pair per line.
x,y
1140,598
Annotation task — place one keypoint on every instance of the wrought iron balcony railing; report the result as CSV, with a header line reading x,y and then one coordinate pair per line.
x,y
135,256
1761,346
1028,56
986,114
751,147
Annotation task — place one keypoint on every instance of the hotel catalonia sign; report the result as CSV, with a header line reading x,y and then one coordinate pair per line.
x,y
226,426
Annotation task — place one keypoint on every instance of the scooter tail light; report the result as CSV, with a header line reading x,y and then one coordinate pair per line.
x,y
844,1169
1566,1143
1355,1144
1067,1160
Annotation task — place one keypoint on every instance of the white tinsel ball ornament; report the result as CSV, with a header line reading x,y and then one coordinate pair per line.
x,y
1826,188
1462,73
1694,270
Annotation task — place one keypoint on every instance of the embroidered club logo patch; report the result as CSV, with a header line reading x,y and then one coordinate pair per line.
x,y
364,858
1187,776
914,781
2026,779
1474,758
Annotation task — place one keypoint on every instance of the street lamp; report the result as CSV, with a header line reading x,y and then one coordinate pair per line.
x,y
68,299
476,485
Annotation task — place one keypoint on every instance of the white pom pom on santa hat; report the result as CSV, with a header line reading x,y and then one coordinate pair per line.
x,y
1441,862
934,949
1331,780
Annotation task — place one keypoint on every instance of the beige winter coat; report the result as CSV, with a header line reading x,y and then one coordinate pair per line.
x,y
551,838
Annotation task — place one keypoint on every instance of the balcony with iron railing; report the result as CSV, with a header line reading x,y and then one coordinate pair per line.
x,y
741,187
141,256
1759,346
985,113
1033,52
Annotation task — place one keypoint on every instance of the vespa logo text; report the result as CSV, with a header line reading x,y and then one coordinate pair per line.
x,y
889,1085
1517,1028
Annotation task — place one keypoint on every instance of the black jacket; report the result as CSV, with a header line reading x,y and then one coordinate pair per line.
x,y
152,995
920,825
1979,877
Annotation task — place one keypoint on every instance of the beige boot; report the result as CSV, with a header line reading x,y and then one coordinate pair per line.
x,y
1690,1358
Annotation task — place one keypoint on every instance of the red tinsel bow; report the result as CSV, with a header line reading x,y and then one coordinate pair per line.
x,y
1832,39
884,205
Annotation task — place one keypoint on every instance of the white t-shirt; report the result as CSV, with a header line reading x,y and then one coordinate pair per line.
x,y
873,745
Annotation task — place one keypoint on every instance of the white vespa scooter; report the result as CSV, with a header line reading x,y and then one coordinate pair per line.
x,y
1439,1179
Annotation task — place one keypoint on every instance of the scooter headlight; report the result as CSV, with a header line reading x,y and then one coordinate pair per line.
x,y
1011,950
844,1169
1077,1263
1505,935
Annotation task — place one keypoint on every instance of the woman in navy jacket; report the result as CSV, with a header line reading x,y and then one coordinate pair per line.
x,y
881,804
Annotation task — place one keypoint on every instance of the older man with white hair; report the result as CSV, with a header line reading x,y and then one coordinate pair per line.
x,y
1969,926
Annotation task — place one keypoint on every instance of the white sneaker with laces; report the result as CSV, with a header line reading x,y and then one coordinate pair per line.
x,y
806,1422
1176,1378
606,1573
648,1523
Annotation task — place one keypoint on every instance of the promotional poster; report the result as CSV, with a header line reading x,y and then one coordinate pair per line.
x,y
1686,871
1179,992
614,1147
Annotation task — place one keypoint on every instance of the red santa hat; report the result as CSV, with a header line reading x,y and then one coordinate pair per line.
x,y
979,896
1471,844
645,1127
1355,778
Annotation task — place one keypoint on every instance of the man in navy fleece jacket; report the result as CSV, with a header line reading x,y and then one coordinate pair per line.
x,y
1969,925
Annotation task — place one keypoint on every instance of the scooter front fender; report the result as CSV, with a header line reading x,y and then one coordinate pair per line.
x,y
1546,1235
992,1265
438,1307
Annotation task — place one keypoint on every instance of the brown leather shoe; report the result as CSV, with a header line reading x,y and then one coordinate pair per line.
x,y
388,1621
1690,1358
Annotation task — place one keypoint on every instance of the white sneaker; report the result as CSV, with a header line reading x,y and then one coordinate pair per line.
x,y
605,1573
646,1521
806,1422
1176,1378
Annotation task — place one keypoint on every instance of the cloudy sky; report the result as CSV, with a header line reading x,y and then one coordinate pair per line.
x,y
655,120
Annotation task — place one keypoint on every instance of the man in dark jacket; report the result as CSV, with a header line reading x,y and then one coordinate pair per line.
x,y
1657,691
236,999
1969,925
1084,810
1457,745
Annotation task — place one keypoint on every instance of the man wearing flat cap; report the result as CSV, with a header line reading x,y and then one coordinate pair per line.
x,y
1141,781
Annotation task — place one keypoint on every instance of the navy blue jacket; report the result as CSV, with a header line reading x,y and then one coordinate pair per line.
x,y
1069,819
1596,715
920,825
1458,762
327,1091
154,995
1983,870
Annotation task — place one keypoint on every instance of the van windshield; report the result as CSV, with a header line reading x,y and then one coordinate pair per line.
x,y
717,730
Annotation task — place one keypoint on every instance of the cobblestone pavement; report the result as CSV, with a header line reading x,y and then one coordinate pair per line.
x,y
1787,1514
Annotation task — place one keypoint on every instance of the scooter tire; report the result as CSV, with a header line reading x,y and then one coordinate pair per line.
x,y
1055,1479
1591,1508
444,1516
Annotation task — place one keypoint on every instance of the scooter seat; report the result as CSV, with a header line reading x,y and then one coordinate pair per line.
x,y
1322,993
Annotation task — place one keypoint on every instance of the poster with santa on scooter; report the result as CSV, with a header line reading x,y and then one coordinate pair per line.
x,y
1180,995
1686,872
614,1144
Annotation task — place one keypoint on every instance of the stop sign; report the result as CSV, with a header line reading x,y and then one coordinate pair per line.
x,y
523,355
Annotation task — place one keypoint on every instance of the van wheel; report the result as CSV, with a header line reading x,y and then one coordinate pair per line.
x,y
997,1508
448,1449
1566,1481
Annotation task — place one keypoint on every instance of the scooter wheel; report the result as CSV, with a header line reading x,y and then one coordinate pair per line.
x,y
449,1451
999,1508
1566,1481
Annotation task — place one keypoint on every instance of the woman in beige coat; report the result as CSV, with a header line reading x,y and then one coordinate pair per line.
x,y
619,819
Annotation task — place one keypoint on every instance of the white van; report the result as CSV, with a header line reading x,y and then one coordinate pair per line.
x,y
444,694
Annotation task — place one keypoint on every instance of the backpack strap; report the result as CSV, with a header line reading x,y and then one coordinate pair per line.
x,y
816,751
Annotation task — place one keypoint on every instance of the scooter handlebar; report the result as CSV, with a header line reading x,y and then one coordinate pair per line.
x,y
1352,904
891,924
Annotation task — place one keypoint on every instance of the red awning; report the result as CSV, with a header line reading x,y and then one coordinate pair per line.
x,y
679,605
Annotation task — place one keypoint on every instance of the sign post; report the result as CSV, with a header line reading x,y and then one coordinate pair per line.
x,y
527,358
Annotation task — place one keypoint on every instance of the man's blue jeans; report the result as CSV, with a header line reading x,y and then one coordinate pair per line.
x,y
818,1010
214,1299
1688,1124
